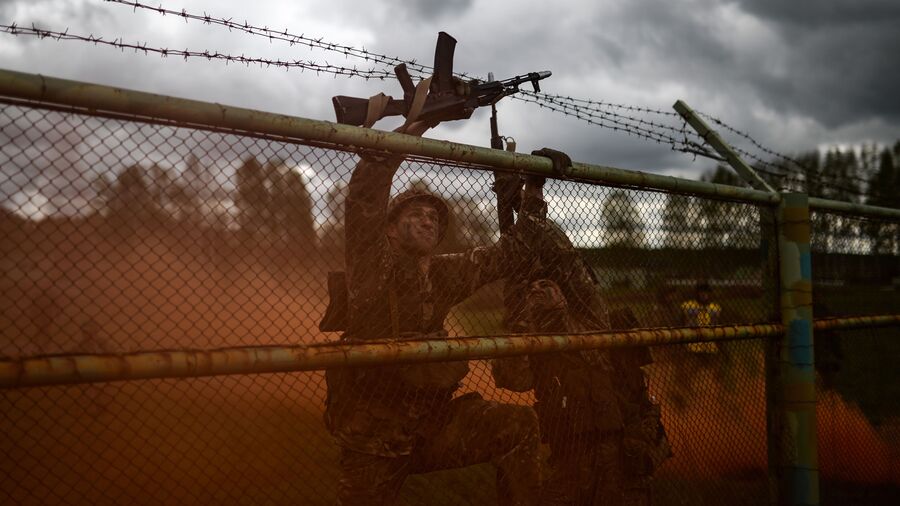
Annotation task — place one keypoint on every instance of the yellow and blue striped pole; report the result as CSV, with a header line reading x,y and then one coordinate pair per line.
x,y
794,395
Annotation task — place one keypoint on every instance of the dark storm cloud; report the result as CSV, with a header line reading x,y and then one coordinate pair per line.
x,y
845,63
817,13
429,10
838,65
793,74
847,74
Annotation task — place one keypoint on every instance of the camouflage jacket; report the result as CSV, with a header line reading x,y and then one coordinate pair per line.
x,y
382,410
574,390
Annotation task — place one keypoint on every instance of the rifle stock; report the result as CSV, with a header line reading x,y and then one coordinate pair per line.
x,y
353,110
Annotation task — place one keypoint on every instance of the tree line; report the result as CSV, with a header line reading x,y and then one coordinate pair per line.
x,y
867,176
271,205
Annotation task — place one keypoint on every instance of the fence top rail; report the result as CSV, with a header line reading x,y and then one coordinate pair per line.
x,y
72,369
141,106
851,208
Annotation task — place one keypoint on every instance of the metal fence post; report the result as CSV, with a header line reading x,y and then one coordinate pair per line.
x,y
771,291
792,398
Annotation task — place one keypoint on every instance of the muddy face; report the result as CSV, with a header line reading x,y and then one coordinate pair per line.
x,y
415,230
546,305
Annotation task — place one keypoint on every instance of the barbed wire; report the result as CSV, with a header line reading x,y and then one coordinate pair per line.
x,y
415,68
597,109
599,104
606,119
566,104
783,171
595,112
119,43
620,124
774,154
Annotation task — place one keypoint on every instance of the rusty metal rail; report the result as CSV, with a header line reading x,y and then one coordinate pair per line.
x,y
104,100
71,369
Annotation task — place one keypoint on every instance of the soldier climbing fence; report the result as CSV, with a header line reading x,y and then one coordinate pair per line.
x,y
164,267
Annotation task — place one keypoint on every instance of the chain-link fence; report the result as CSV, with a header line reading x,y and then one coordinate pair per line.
x,y
129,235
856,272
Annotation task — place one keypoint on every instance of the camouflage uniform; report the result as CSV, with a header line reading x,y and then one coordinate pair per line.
x,y
593,406
391,421
644,443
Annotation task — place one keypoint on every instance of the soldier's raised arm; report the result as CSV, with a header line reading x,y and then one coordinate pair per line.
x,y
366,211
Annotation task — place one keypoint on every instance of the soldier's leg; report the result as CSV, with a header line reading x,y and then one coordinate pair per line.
x,y
566,480
608,473
577,468
476,431
585,469
370,479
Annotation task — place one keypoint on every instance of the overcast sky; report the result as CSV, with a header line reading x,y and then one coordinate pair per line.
x,y
795,75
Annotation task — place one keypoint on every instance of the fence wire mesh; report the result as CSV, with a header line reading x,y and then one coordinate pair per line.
x,y
856,271
124,236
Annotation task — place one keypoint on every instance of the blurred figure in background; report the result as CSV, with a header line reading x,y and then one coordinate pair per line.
x,y
700,311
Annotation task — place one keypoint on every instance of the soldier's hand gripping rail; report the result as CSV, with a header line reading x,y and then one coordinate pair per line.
x,y
442,97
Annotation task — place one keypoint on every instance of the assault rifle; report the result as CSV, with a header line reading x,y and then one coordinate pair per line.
x,y
448,98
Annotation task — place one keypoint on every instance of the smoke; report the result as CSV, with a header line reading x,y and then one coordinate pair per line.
x,y
716,423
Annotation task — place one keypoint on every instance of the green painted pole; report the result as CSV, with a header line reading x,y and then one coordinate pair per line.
x,y
793,417
768,220
713,139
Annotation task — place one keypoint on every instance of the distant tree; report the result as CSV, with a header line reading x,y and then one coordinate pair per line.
x,y
622,221
252,197
809,170
192,190
869,156
727,224
720,219
679,223
198,179
293,209
332,237
130,202
158,180
840,173
884,191
103,188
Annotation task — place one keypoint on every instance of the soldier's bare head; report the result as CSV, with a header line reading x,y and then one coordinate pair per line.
x,y
415,229
546,306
